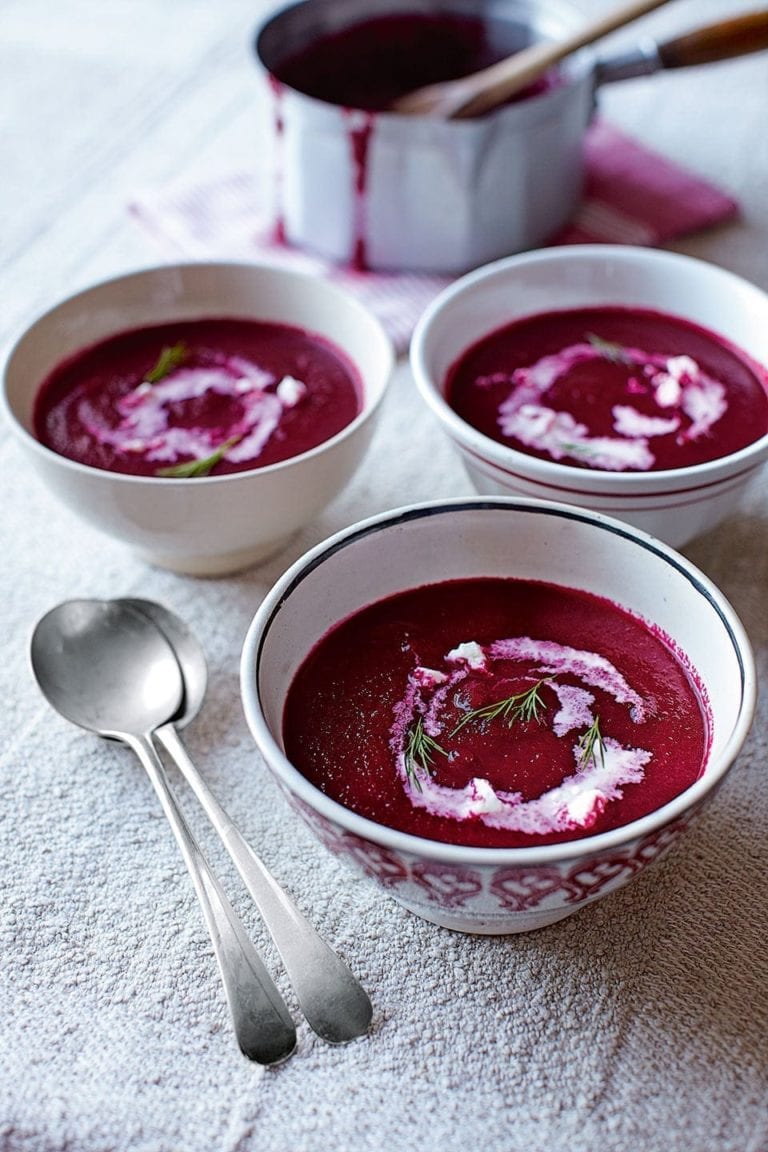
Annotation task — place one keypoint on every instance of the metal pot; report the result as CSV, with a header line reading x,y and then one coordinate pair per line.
x,y
390,192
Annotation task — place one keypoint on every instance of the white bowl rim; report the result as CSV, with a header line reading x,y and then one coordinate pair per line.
x,y
369,404
585,481
417,846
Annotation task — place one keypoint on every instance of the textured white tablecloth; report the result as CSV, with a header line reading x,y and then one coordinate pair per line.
x,y
641,1023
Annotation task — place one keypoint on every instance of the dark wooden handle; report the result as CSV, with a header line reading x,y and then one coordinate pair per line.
x,y
719,41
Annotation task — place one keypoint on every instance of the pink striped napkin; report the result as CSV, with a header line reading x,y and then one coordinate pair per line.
x,y
632,196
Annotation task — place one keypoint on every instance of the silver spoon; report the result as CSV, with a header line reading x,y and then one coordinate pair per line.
x,y
105,667
334,1003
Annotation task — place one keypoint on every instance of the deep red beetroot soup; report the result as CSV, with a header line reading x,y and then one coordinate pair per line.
x,y
196,397
372,62
612,389
497,713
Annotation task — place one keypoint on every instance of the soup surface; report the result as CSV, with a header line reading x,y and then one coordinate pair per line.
x,y
496,713
612,389
369,64
197,397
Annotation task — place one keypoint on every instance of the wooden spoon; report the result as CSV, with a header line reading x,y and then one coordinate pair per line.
x,y
481,91
720,41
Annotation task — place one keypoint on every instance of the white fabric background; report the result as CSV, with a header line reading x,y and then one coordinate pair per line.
x,y
639,1024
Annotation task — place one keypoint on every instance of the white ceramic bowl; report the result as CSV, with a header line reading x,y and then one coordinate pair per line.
x,y
218,524
488,890
675,504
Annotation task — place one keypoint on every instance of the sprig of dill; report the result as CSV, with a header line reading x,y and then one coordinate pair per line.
x,y
591,745
522,707
170,357
607,349
200,467
420,750
577,449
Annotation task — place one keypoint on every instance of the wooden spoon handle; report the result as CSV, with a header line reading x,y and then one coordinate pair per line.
x,y
720,41
487,89
595,30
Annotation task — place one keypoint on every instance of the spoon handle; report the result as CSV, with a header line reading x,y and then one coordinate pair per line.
x,y
485,90
331,998
263,1027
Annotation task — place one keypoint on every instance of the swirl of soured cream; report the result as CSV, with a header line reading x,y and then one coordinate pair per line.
x,y
580,798
145,427
677,384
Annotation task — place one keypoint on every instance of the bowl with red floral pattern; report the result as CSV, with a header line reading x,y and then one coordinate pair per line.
x,y
498,709
630,381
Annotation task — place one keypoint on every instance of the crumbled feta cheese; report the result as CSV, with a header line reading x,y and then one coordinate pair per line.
x,y
290,391
683,368
586,806
483,797
667,390
468,653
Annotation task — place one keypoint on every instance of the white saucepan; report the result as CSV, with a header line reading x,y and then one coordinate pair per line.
x,y
392,192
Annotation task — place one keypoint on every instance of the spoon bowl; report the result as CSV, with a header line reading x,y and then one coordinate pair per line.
x,y
188,653
84,657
